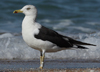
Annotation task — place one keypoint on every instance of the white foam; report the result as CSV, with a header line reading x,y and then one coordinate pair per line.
x,y
5,35
93,23
63,24
82,29
16,48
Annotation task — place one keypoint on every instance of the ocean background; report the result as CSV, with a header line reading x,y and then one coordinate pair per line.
x,y
79,19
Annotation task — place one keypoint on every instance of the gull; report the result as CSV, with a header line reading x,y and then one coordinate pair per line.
x,y
44,39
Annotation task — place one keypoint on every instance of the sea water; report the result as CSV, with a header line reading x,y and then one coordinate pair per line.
x,y
77,19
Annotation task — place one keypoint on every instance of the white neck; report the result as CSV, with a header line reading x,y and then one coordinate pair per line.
x,y
28,22
29,26
28,19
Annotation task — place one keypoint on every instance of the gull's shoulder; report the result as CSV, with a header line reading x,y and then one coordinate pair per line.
x,y
37,25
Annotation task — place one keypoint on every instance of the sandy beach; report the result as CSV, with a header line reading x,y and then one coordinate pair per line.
x,y
56,70
50,66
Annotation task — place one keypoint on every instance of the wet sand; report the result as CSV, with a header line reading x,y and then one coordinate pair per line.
x,y
50,66
55,70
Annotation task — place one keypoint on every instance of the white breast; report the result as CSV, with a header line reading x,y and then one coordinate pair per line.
x,y
29,28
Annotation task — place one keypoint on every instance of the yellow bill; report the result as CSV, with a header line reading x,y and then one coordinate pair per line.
x,y
18,11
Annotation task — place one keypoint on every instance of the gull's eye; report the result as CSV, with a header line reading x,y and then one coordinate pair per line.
x,y
28,8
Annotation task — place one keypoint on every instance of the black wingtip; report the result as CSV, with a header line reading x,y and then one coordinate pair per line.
x,y
81,47
94,45
83,43
91,44
75,42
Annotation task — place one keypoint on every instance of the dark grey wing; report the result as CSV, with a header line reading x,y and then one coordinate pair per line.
x,y
60,40
52,36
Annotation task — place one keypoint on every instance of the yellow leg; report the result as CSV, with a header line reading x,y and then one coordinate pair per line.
x,y
40,62
42,59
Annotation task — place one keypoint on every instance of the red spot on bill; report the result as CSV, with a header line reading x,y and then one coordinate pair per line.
x,y
15,12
